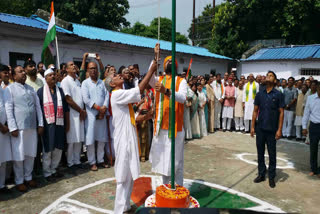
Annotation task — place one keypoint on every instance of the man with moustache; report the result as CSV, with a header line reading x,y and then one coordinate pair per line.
x,y
25,122
56,123
161,142
249,93
268,107
96,99
32,78
4,75
75,137
218,89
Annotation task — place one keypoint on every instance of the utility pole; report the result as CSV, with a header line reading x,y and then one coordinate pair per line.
x,y
214,7
194,20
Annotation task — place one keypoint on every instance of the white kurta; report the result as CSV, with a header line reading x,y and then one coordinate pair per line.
x,y
249,105
202,118
160,153
125,134
186,115
217,105
95,93
72,87
26,142
5,151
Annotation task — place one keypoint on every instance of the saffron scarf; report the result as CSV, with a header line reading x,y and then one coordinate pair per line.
x,y
254,90
160,115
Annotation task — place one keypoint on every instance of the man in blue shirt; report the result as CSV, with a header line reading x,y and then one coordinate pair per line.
x,y
268,106
312,114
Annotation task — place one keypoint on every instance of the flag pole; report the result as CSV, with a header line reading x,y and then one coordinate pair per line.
x,y
58,59
173,68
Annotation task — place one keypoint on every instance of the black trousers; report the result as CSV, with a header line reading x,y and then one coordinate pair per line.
x,y
266,138
314,132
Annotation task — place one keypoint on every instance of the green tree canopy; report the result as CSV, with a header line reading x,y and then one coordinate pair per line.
x,y
104,14
239,22
203,27
151,31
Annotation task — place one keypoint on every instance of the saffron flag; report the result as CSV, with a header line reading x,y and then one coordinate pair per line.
x,y
47,49
189,70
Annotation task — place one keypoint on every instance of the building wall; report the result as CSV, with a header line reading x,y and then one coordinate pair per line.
x,y
22,39
283,69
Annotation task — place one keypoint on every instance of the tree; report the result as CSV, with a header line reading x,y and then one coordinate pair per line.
x,y
104,14
151,31
239,22
203,27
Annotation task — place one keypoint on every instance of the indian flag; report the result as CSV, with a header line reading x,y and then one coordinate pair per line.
x,y
47,49
189,70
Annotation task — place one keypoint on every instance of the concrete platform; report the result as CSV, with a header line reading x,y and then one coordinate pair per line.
x,y
222,162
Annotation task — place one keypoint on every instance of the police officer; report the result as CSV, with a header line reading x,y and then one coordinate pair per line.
x,y
269,107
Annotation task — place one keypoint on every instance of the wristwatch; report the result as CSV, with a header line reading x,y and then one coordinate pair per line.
x,y
167,93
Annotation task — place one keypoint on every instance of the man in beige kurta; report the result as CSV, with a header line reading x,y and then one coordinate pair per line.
x,y
238,109
210,95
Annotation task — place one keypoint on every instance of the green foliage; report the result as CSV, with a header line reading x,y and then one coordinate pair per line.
x,y
151,31
203,27
239,22
104,14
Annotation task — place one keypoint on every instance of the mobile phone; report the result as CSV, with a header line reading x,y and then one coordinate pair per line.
x,y
92,55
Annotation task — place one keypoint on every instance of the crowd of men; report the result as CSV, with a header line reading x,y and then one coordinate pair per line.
x,y
229,103
46,114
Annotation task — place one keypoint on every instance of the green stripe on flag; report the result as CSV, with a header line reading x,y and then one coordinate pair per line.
x,y
46,56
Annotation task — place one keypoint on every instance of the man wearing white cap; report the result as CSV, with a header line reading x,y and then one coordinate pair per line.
x,y
24,118
56,124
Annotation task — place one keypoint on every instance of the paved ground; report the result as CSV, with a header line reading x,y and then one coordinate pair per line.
x,y
214,159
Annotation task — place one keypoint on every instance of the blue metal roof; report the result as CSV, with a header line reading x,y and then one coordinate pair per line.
x,y
108,35
29,22
128,39
294,52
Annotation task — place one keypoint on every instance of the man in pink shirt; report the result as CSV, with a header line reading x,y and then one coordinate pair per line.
x,y
228,106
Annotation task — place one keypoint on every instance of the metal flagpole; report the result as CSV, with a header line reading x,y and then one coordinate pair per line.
x,y
58,59
173,116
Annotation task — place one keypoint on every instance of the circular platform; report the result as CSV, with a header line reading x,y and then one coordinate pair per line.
x,y
151,202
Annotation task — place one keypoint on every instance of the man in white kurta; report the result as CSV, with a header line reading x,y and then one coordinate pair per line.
x,y
75,137
218,89
160,154
249,92
24,118
127,165
96,98
5,151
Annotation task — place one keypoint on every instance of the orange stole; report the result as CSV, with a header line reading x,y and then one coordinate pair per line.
x,y
179,108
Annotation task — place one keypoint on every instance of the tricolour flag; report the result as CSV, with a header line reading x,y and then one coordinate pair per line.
x,y
47,49
189,70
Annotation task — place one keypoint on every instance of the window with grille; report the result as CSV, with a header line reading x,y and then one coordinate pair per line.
x,y
310,71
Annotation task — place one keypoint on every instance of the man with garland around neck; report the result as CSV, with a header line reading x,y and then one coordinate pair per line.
x,y
249,93
160,154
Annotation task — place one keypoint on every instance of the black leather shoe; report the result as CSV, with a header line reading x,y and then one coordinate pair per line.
x,y
259,179
272,184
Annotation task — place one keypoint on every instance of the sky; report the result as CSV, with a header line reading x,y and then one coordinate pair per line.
x,y
145,11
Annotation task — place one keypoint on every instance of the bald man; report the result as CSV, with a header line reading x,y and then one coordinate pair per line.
x,y
96,98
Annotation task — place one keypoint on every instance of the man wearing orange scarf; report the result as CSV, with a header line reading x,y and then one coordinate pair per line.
x,y
161,144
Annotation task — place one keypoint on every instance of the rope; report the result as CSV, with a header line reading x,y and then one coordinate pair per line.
x,y
158,30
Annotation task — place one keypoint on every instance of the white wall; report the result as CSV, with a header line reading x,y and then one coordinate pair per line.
x,y
283,69
21,39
